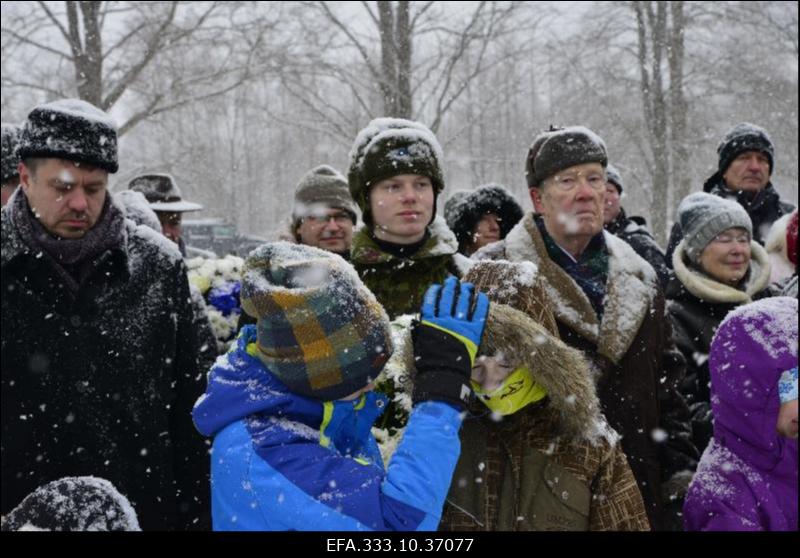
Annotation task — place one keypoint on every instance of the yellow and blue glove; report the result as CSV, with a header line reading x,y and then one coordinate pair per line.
x,y
446,341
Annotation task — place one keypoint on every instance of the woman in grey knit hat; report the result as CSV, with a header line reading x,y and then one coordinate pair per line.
x,y
718,267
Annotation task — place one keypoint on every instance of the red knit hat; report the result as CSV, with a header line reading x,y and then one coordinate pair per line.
x,y
791,238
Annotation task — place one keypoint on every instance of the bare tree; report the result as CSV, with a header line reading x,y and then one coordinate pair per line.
x,y
110,47
418,70
660,30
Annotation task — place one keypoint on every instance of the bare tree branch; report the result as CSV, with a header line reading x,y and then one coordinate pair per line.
x,y
54,19
134,71
35,44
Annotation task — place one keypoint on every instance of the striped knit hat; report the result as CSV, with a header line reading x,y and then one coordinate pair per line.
x,y
320,330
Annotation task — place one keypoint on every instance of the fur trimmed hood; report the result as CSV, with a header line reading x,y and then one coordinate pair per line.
x,y
521,325
631,288
708,289
561,370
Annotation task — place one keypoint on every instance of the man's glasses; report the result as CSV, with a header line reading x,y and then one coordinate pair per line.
x,y
338,218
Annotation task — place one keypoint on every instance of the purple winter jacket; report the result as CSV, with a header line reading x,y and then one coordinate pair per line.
x,y
747,477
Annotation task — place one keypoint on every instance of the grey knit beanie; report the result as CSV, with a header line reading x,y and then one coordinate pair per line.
x,y
703,216
613,176
322,186
559,149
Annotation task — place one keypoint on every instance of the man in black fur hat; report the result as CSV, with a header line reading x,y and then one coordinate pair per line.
x,y
100,355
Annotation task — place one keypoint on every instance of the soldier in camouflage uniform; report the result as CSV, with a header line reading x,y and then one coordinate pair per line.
x,y
395,177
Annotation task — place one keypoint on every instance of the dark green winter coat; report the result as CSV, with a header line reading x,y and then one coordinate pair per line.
x,y
399,284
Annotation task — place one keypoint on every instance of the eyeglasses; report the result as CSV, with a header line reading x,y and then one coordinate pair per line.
x,y
567,182
338,218
727,238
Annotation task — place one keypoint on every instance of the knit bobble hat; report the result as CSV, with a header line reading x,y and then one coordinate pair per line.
x,y
320,330
703,216
744,137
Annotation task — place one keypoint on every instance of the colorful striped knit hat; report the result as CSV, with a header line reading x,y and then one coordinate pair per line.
x,y
320,330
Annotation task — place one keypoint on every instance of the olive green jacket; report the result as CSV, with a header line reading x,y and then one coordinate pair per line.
x,y
399,284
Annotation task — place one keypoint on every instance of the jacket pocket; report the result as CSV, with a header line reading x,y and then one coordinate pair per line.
x,y
561,503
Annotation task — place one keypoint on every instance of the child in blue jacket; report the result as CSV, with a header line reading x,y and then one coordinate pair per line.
x,y
290,406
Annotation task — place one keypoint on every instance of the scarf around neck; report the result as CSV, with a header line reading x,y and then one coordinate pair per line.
x,y
72,258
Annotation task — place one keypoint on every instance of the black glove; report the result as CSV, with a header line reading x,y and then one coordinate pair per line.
x,y
446,341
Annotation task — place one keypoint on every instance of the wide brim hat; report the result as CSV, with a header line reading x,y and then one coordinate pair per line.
x,y
162,193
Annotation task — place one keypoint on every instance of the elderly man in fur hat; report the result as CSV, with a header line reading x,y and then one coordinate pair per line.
x,y
608,304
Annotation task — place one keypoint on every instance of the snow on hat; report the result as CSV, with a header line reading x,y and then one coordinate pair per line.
x,y
388,147
70,129
320,330
322,186
10,139
703,216
465,208
162,193
613,176
73,504
744,137
137,209
560,148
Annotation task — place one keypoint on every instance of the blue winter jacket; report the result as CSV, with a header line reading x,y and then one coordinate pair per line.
x,y
282,461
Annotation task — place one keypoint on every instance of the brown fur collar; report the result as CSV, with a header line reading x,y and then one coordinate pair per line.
x,y
630,291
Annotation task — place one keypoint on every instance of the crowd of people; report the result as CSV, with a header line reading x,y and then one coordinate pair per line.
x,y
565,372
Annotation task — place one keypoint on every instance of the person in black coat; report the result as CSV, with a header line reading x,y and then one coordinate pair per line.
x,y
632,230
717,268
99,353
746,162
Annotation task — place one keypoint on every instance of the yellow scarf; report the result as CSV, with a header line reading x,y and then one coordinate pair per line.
x,y
517,391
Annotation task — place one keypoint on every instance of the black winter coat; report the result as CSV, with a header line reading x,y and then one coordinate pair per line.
x,y
633,230
764,210
697,305
103,382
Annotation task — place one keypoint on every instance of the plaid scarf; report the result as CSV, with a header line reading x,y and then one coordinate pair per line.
x,y
590,271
